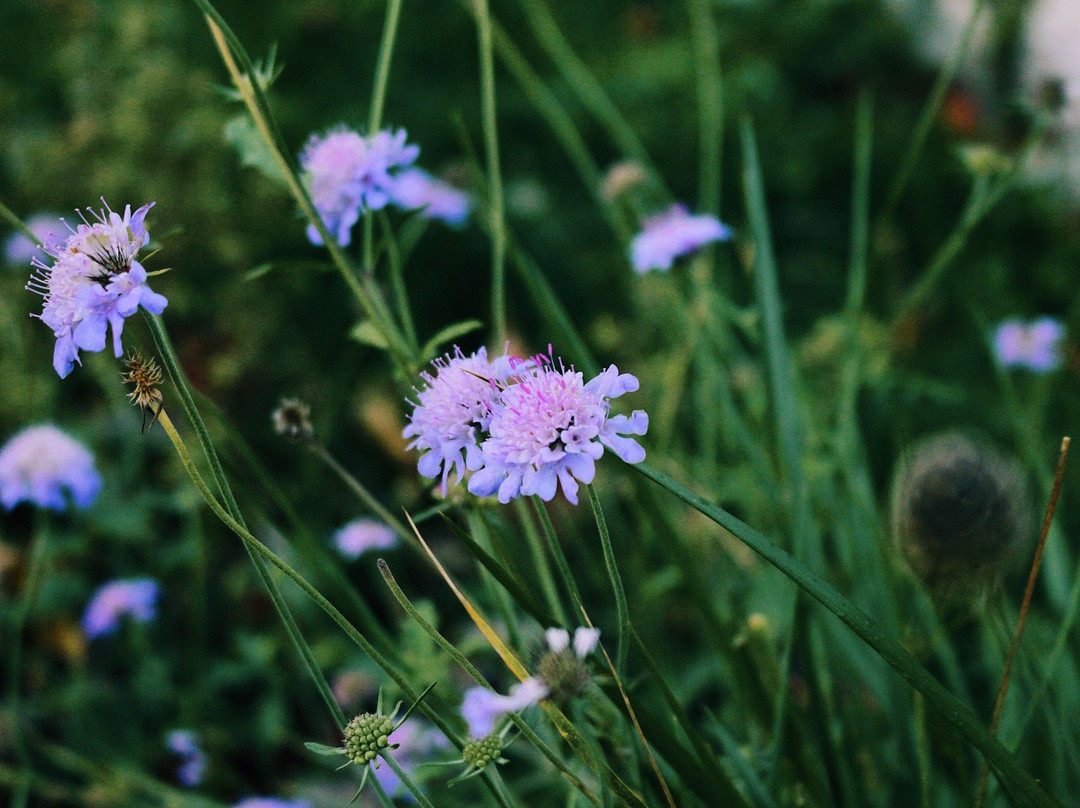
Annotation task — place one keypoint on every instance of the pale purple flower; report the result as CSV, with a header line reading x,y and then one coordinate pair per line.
x,y
18,249
44,466
453,409
672,234
270,802
347,173
185,744
415,188
94,283
136,598
550,427
1035,345
481,707
415,741
585,640
361,535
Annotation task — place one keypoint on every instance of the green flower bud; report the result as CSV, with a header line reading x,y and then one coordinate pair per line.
x,y
481,752
367,735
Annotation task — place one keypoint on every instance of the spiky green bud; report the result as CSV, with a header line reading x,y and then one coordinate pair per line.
x,y
483,751
367,735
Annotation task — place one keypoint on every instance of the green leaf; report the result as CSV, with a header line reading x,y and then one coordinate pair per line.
x,y
366,332
242,135
323,749
451,332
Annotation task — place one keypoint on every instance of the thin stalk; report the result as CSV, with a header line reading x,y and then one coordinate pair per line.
x,y
382,68
9,216
930,111
710,92
541,564
496,207
621,610
552,540
407,781
1029,591
397,283
1003,762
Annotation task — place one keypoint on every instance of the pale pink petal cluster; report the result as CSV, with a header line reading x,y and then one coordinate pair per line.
x,y
1035,345
673,234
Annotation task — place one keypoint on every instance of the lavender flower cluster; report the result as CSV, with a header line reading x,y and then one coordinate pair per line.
x,y
347,174
522,427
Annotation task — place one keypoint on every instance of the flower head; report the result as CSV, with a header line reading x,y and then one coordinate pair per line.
x,y
482,707
44,466
94,283
672,234
415,188
563,670
136,598
453,410
1035,345
550,427
347,173
185,744
18,249
361,535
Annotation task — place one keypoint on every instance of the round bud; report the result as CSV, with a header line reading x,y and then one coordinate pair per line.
x,y
961,513
483,751
366,735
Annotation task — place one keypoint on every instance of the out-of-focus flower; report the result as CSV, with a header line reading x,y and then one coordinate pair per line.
x,y
415,188
185,744
563,670
136,598
18,249
1035,346
620,178
452,411
44,466
415,741
347,173
550,427
270,802
94,283
361,535
482,707
671,235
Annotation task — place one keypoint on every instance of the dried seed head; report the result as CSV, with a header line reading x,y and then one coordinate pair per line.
x,y
146,376
292,419
961,514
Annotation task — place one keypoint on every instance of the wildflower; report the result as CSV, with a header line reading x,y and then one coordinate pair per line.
x,y
621,178
18,249
192,758
562,669
1035,346
549,429
482,707
453,410
136,598
362,535
415,188
94,283
45,467
961,512
346,173
270,802
672,234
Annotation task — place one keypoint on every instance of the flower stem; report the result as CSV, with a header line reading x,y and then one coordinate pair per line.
x,y
621,610
407,782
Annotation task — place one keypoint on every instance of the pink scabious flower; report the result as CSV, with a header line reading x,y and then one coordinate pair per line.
x,y
347,173
135,598
94,283
482,707
185,744
1035,345
550,427
415,188
453,409
673,234
361,535
43,466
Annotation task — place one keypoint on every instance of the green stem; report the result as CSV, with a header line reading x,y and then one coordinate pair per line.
x,y
621,610
496,212
710,91
541,564
9,216
407,781
397,283
382,69
1004,763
